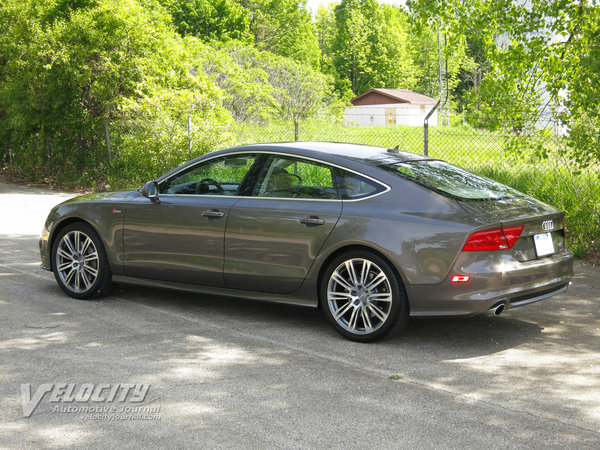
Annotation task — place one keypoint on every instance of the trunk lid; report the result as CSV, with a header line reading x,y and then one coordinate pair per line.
x,y
543,234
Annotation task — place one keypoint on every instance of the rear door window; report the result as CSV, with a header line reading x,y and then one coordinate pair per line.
x,y
289,177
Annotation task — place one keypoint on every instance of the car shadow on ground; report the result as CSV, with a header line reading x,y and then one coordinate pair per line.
x,y
443,337
470,336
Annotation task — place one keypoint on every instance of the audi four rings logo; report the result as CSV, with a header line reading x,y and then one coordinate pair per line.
x,y
548,225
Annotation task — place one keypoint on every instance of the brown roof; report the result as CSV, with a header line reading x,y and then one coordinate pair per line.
x,y
379,96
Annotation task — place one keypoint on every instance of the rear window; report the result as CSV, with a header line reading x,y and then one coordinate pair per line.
x,y
352,186
452,181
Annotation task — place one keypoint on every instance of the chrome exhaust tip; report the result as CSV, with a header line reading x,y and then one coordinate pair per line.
x,y
497,309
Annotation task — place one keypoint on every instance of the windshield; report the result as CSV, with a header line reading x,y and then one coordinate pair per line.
x,y
451,180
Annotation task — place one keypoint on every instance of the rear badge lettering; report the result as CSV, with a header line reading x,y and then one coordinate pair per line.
x,y
548,225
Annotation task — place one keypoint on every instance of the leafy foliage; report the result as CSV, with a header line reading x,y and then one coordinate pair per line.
x,y
284,27
259,85
370,47
209,20
539,63
69,75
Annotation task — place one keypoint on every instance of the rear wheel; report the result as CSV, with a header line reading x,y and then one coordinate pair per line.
x,y
79,262
362,297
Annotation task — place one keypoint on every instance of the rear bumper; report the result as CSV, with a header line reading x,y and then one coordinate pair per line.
x,y
537,296
495,280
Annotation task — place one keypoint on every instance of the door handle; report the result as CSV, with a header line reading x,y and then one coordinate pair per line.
x,y
312,221
213,214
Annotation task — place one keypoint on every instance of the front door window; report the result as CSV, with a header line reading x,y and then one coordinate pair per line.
x,y
220,176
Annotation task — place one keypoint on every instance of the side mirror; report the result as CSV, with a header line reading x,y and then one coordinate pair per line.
x,y
150,191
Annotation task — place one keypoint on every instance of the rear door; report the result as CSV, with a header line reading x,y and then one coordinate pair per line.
x,y
274,235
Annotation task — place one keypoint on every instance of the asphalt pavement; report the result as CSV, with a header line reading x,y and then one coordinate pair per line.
x,y
229,373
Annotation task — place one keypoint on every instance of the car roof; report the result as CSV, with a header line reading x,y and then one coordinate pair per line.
x,y
332,152
337,152
364,153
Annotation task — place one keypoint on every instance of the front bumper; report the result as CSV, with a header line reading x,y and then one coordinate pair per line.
x,y
45,251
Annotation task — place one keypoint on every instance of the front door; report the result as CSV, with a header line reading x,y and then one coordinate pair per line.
x,y
180,237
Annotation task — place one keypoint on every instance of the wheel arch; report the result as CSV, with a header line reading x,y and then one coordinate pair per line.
x,y
359,247
60,226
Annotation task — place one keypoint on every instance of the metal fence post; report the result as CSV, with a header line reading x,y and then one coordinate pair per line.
x,y
296,119
426,129
190,144
108,146
189,124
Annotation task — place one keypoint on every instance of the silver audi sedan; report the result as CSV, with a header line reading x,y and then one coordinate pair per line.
x,y
370,235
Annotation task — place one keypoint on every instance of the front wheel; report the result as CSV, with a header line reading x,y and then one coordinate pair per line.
x,y
79,262
362,297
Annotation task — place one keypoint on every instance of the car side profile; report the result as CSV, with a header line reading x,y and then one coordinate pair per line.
x,y
370,235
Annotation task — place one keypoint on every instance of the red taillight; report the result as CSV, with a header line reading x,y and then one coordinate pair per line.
x,y
460,278
496,239
512,234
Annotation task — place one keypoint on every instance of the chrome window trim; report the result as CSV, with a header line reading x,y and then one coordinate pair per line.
x,y
386,187
240,197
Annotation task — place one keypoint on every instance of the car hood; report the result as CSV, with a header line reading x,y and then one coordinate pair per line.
x,y
104,197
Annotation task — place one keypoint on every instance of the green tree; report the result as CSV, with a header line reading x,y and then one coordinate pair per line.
x,y
325,28
580,106
260,85
72,72
443,55
370,48
396,63
220,20
540,62
284,27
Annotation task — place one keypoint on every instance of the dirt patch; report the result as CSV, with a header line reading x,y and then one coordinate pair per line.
x,y
14,176
592,258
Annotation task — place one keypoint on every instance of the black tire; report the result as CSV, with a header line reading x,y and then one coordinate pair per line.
x,y
372,306
79,262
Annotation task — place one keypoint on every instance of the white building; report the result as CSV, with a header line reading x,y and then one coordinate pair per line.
x,y
390,107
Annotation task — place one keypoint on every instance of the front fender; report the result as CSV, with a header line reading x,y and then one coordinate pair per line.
x,y
103,212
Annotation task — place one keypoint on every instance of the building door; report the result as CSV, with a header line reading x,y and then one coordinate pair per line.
x,y
390,117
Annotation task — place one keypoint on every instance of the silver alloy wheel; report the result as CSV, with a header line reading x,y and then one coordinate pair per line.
x,y
359,296
77,261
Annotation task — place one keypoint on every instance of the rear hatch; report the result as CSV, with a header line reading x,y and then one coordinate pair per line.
x,y
532,228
